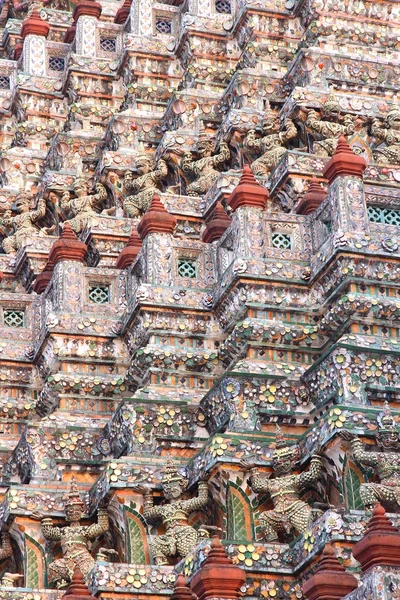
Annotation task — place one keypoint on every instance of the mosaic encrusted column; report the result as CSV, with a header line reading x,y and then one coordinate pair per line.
x,y
155,229
248,201
86,15
141,17
346,190
67,255
34,33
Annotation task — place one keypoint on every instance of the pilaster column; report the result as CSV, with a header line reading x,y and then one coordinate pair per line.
x,y
156,228
141,17
86,15
346,190
248,201
34,32
67,255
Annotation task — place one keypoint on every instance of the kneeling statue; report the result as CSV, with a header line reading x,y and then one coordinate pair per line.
x,y
204,168
23,224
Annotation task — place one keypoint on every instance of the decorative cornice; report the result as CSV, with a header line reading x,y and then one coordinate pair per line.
x,y
35,25
88,8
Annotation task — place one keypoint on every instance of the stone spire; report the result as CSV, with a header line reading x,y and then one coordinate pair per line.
x,y
70,33
34,24
43,279
156,220
89,8
181,590
123,12
344,162
218,577
68,247
78,589
313,198
380,544
330,581
217,225
248,192
130,251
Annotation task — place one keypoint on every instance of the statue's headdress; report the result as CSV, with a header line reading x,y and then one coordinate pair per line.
x,y
385,419
284,449
141,153
394,113
172,474
23,198
269,112
331,102
387,435
203,137
74,498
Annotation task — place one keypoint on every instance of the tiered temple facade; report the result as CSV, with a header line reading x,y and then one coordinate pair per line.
x,y
200,298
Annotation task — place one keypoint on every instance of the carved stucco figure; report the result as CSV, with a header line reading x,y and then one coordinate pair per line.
x,y
389,133
74,539
289,512
329,126
204,168
180,537
23,224
85,206
144,186
386,463
272,146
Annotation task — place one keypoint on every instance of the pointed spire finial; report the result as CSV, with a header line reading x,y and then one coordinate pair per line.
x,y
330,579
344,162
34,24
312,199
248,192
130,251
218,577
78,588
380,544
68,247
217,225
156,220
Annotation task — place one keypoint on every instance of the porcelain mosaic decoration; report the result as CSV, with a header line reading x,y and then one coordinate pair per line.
x,y
199,299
